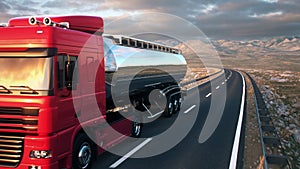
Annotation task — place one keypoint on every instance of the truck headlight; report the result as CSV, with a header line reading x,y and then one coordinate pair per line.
x,y
40,154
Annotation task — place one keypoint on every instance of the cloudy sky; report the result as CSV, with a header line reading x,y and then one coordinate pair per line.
x,y
218,19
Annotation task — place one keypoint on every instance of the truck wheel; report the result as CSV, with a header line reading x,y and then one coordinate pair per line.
x,y
177,103
180,102
83,153
169,108
136,129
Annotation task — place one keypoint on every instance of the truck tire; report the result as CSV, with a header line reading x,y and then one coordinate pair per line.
x,y
177,103
169,108
136,129
83,152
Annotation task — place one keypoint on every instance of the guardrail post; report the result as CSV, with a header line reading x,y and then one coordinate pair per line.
x,y
276,159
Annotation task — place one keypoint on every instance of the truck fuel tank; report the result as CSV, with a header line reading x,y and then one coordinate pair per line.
x,y
141,59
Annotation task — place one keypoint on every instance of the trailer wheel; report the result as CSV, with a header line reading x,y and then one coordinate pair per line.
x,y
169,108
83,153
177,103
136,129
180,102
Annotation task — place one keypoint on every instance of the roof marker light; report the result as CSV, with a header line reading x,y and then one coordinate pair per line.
x,y
47,21
33,21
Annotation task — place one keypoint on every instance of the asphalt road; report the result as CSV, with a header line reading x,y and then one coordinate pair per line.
x,y
200,136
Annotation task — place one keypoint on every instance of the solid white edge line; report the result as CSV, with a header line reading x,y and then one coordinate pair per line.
x,y
235,148
189,109
208,95
130,153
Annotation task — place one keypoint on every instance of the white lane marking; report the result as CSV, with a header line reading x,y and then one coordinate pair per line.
x,y
217,87
223,83
235,148
130,153
189,109
208,95
225,80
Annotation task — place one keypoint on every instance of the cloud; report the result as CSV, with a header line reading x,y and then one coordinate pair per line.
x,y
251,19
267,15
4,7
270,1
208,8
55,4
217,18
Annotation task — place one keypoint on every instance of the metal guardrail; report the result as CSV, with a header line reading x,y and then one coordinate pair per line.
x,y
198,79
270,141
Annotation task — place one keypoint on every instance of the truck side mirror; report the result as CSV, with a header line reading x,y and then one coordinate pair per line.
x,y
70,68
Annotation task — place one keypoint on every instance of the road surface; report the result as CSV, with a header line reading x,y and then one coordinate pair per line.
x,y
211,152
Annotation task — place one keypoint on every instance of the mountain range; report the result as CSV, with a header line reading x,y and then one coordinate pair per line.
x,y
279,45
280,53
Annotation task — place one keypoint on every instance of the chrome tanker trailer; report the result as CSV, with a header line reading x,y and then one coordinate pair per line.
x,y
143,74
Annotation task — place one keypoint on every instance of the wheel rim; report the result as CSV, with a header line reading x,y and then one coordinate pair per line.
x,y
84,155
179,102
175,104
170,108
137,128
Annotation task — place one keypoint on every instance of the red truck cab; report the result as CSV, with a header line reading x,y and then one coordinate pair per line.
x,y
51,72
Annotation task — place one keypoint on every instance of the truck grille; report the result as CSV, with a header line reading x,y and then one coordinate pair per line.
x,y
19,120
11,148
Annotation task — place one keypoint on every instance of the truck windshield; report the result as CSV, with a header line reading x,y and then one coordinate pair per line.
x,y
31,74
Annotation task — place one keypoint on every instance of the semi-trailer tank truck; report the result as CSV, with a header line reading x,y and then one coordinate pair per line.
x,y
51,70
